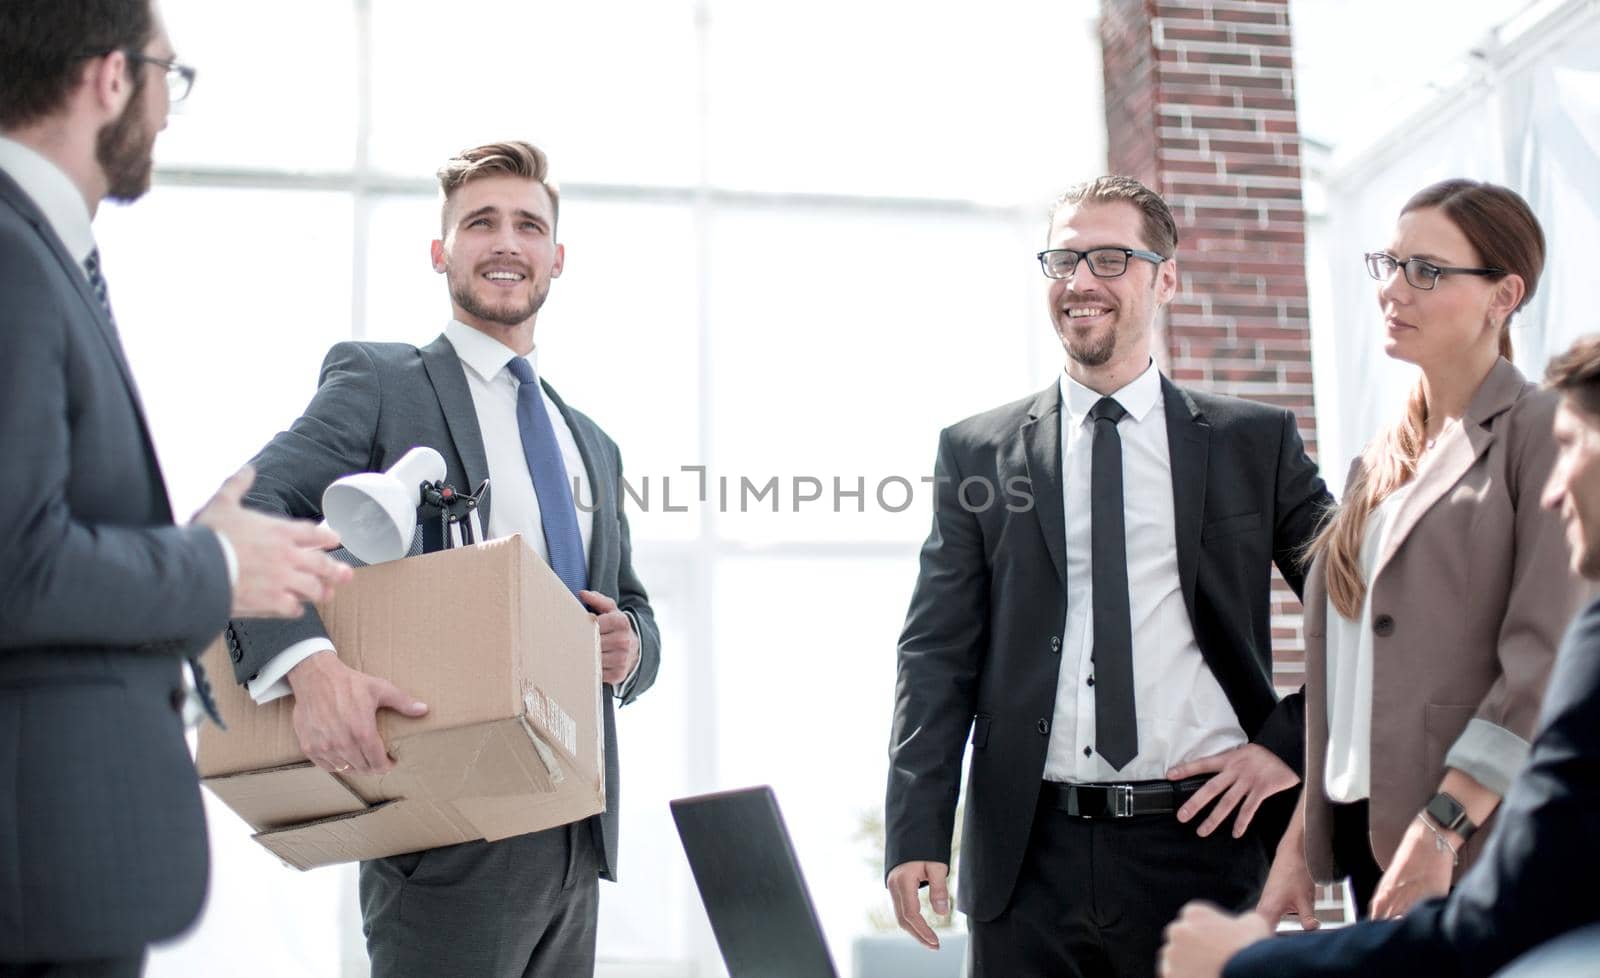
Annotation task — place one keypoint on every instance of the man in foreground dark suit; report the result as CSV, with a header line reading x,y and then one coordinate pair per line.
x,y
1093,607
523,906
102,598
1532,882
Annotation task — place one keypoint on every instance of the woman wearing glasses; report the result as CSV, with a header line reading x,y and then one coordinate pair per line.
x,y
1438,589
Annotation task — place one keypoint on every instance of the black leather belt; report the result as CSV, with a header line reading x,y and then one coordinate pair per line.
x,y
1119,800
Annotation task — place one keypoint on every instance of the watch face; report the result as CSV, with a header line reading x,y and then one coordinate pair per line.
x,y
1448,812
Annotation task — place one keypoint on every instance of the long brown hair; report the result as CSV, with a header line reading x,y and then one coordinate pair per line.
x,y
1502,229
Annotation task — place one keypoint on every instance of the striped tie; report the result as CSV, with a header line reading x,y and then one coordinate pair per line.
x,y
97,281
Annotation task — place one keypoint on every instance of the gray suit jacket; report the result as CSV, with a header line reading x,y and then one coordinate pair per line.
x,y
102,838
374,403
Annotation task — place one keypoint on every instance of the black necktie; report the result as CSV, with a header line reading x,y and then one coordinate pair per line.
x,y
1115,730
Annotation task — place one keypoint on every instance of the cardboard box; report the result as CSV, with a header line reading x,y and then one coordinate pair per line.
x,y
509,665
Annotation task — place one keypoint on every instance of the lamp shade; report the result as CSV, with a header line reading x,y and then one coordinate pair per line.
x,y
375,513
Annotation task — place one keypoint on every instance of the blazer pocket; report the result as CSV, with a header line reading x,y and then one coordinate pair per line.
x,y
1230,524
1442,724
980,731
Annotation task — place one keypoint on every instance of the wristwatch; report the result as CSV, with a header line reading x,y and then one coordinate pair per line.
x,y
1447,813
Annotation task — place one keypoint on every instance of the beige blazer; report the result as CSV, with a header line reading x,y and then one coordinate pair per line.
x,y
1470,596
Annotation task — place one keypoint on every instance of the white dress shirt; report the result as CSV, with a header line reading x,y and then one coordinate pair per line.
x,y
1347,775
54,193
513,504
1182,712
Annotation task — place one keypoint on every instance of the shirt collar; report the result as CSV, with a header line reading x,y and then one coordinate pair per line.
x,y
53,192
483,354
1138,397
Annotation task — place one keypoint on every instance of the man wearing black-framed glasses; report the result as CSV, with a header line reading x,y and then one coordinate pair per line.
x,y
102,598
179,77
1092,610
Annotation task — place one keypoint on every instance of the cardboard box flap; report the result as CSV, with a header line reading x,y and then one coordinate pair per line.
x,y
286,795
501,817
489,781
482,760
388,829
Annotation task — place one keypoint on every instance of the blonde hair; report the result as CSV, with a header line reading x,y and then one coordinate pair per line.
x,y
514,158
1502,229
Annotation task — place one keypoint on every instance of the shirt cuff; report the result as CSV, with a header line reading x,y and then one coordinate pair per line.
x,y
230,558
1491,754
272,681
626,686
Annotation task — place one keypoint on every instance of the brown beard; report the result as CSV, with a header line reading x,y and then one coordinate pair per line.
x,y
1095,355
124,150
505,316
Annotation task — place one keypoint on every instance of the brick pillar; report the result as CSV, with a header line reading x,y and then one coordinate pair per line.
x,y
1200,108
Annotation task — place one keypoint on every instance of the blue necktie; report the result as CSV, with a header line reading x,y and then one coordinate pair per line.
x,y
556,512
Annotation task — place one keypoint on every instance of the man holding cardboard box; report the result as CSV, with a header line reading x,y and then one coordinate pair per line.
x,y
525,905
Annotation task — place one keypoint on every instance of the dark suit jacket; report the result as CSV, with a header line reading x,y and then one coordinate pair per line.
x,y
982,640
1536,876
374,403
102,839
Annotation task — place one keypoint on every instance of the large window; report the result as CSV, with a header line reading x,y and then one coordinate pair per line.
x,y
799,242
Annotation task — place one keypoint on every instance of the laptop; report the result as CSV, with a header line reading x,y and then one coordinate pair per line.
x,y
751,885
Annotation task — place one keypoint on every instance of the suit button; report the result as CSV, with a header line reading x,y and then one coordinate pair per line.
x,y
1383,626
176,699
235,653
1044,726
1055,643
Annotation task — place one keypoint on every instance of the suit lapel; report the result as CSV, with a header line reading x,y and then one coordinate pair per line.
x,y
460,415
1188,445
30,212
589,450
75,274
1040,438
1455,453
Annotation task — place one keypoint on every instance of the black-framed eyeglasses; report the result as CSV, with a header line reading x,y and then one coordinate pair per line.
x,y
1421,274
180,77
1103,262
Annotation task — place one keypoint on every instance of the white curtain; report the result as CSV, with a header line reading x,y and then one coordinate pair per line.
x,y
1534,128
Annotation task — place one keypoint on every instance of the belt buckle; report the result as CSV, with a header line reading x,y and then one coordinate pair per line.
x,y
1122,800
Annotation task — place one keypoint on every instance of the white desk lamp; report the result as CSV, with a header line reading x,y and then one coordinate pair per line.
x,y
375,513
